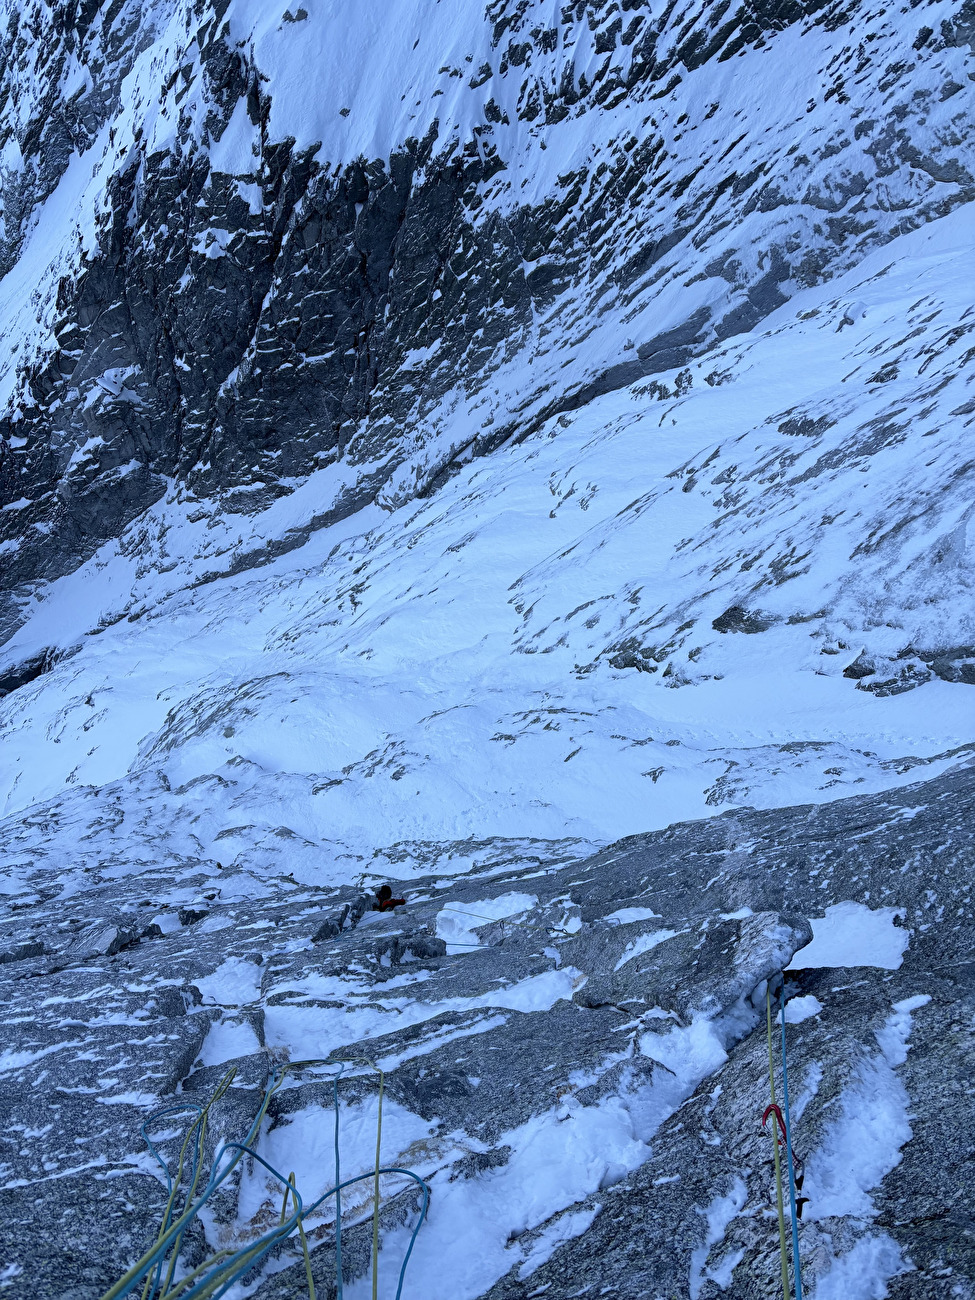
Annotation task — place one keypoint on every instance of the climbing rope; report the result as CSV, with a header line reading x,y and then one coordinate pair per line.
x,y
217,1274
774,1110
782,1133
796,1269
365,1060
499,920
301,1233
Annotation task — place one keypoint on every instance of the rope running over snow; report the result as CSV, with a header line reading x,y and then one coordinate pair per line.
x,y
216,1275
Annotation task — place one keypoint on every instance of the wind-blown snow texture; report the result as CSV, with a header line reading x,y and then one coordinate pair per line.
x,y
442,437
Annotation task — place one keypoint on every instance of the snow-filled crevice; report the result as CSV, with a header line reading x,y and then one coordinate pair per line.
x,y
861,1145
559,1160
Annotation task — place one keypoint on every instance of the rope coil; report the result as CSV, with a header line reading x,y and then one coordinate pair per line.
x,y
219,1271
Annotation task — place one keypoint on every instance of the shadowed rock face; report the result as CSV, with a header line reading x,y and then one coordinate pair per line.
x,y
627,991
237,307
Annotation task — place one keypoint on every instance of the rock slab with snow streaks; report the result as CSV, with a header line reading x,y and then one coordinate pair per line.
x,y
586,1122
484,218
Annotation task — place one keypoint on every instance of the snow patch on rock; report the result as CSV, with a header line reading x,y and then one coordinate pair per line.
x,y
852,934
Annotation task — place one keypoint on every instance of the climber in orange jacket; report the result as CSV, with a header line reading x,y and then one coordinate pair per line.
x,y
385,902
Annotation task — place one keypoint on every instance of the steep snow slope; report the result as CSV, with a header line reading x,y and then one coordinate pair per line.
x,y
688,594
481,215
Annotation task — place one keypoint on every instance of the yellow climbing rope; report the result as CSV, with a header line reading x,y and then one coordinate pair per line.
x,y
217,1273
375,1212
780,1205
301,1232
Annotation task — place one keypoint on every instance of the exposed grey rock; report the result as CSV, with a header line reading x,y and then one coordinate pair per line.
x,y
956,664
862,666
328,929
738,619
732,893
190,915
27,671
22,951
102,941
217,338
236,363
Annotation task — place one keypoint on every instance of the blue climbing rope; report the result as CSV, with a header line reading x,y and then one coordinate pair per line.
x,y
151,1287
796,1269
213,1278
338,1192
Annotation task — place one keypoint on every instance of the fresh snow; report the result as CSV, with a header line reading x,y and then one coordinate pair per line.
x,y
799,1009
864,1271
457,923
513,1216
860,1146
559,1159
852,934
236,982
863,1143
304,1144
549,1239
429,685
718,1215
227,1040
441,672
302,1033
627,915
645,943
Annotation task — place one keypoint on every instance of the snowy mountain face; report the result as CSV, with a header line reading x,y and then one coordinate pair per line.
x,y
437,440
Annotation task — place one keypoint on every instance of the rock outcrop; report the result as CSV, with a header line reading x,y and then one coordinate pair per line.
x,y
580,1079
216,283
